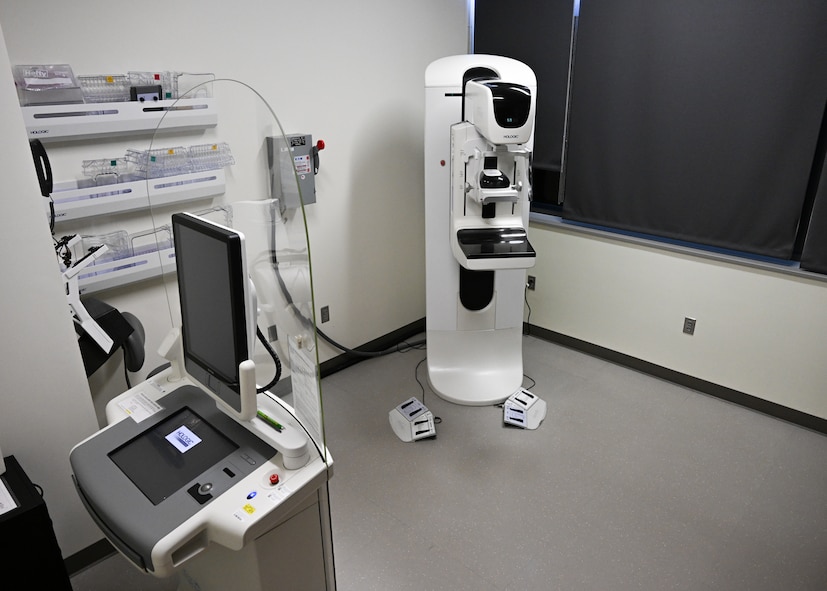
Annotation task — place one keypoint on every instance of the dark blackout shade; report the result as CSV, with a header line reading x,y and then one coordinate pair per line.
x,y
537,33
814,255
697,121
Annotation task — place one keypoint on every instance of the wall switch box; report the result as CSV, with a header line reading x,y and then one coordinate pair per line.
x,y
283,153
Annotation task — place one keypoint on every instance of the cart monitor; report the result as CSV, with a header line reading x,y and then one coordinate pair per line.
x,y
218,310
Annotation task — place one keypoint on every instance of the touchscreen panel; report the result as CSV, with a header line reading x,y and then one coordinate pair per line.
x,y
161,460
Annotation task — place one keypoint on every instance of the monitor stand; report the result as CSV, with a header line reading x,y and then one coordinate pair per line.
x,y
172,350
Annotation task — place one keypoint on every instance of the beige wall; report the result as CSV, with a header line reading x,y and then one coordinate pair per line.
x,y
758,331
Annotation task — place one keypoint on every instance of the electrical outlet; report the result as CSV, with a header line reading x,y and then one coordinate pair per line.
x,y
532,281
272,333
689,325
325,313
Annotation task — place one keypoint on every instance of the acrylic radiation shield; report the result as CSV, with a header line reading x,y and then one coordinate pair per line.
x,y
224,172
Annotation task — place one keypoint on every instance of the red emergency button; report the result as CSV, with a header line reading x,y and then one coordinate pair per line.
x,y
320,145
274,479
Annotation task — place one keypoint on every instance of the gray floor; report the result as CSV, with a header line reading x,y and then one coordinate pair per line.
x,y
630,483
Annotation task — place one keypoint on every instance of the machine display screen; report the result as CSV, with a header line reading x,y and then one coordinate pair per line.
x,y
161,460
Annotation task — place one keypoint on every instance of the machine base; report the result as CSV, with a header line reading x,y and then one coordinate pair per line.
x,y
475,367
294,555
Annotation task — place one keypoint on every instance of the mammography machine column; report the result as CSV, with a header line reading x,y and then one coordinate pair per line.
x,y
477,190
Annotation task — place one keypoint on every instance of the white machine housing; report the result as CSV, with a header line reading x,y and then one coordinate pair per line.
x,y
477,199
267,531
241,502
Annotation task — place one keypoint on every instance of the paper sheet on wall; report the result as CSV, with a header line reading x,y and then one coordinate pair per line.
x,y
6,501
306,392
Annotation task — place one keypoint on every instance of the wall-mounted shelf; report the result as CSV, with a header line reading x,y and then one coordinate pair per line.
x,y
89,120
72,203
144,255
113,273
134,257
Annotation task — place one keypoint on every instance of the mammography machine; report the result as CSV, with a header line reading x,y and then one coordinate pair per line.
x,y
479,118
200,473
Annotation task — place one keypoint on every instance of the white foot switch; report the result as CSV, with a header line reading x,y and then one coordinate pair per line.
x,y
412,421
524,409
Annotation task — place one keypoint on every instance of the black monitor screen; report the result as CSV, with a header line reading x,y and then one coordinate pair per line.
x,y
163,459
211,283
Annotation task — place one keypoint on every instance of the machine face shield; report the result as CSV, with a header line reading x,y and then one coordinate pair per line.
x,y
512,103
503,112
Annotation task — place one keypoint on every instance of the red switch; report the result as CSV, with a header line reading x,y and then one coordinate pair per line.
x,y
274,479
320,145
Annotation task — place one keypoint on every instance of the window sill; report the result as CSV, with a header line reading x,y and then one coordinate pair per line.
x,y
780,266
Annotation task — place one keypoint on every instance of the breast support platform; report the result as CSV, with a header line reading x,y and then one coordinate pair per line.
x,y
176,475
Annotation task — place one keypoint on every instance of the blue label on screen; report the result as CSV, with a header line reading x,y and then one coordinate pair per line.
x,y
183,439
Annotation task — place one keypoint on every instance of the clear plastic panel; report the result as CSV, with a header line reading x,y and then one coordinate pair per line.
x,y
277,242
160,162
104,88
210,156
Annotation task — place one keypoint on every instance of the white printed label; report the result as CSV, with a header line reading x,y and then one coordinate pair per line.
x,y
302,164
280,493
183,439
139,406
6,501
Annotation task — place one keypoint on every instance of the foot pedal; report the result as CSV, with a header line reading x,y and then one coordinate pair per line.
x,y
412,421
523,409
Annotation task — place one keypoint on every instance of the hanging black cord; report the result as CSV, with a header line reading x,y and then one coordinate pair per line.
x,y
398,348
289,299
51,215
125,370
276,359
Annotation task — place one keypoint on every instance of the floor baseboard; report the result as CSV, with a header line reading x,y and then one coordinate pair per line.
x,y
88,556
773,409
383,343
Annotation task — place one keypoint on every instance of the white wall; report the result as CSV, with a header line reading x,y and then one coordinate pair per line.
x,y
45,407
760,332
349,73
